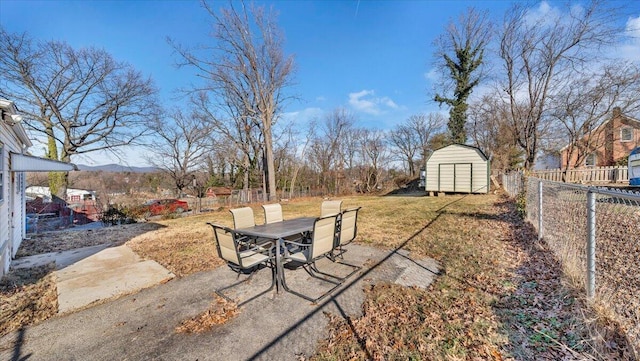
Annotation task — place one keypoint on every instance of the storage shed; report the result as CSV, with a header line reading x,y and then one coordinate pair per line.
x,y
457,168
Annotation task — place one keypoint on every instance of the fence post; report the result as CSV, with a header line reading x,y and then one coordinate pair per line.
x,y
591,243
540,209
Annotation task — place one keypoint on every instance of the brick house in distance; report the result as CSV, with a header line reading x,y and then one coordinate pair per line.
x,y
604,146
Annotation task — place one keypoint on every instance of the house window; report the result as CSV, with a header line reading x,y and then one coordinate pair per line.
x,y
626,134
590,160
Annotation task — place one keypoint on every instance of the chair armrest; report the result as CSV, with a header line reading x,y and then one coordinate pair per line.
x,y
299,244
258,250
246,240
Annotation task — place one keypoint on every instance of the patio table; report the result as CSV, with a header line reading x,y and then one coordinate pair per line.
x,y
278,231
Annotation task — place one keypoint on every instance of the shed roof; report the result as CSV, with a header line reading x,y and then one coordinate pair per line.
x,y
476,149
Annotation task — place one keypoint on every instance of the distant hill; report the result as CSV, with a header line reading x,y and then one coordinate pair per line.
x,y
117,168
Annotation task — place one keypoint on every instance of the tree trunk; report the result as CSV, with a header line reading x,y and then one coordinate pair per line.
x,y
271,169
293,182
57,180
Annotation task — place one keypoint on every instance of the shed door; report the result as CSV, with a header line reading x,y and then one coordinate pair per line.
x,y
446,177
454,177
463,178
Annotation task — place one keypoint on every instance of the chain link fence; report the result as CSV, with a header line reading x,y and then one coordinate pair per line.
x,y
245,197
595,233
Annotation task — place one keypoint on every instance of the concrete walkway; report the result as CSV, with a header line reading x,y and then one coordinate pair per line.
x,y
91,274
275,326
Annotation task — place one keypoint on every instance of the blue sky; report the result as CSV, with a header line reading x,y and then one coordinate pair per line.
x,y
371,57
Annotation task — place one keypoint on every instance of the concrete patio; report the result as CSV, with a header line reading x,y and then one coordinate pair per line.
x,y
142,326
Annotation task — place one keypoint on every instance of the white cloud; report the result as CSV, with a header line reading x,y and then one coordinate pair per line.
x,y
577,11
633,28
630,48
320,99
432,75
365,101
388,102
547,15
303,116
544,14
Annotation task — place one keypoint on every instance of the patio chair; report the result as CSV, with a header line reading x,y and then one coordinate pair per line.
x,y
348,229
243,217
242,257
272,213
346,232
330,208
321,244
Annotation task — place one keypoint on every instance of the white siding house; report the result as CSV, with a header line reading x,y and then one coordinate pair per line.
x,y
457,168
13,163
73,195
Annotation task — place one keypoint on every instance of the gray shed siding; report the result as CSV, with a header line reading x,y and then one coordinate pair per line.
x,y
459,169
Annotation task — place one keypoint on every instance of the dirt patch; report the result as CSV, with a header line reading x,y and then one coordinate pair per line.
x,y
72,239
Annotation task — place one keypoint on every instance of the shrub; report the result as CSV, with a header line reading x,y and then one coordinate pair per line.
x,y
115,215
402,181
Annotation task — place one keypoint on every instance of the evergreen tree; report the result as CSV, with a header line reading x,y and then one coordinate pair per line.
x,y
462,49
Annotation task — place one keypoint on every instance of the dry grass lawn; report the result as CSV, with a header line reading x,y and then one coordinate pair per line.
x,y
500,295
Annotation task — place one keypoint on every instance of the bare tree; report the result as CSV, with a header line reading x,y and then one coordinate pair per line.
x,y
327,148
587,102
375,157
246,70
405,140
239,132
182,147
222,164
460,56
539,52
290,154
489,130
426,128
411,138
80,101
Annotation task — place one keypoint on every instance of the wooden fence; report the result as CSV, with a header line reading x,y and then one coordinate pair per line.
x,y
587,175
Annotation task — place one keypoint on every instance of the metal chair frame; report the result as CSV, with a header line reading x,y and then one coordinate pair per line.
x,y
311,255
236,255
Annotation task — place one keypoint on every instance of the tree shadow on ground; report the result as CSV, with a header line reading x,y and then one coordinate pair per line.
x,y
333,299
406,193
